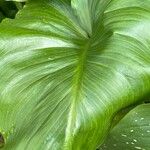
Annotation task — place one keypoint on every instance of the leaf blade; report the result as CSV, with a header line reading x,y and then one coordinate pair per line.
x,y
51,69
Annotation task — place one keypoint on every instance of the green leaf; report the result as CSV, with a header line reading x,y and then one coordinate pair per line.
x,y
89,12
132,132
63,78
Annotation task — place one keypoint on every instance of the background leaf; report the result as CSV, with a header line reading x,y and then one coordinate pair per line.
x,y
132,132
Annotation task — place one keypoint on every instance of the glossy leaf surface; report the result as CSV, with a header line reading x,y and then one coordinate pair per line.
x,y
67,67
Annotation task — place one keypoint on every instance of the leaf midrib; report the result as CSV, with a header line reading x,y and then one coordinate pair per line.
x,y
77,84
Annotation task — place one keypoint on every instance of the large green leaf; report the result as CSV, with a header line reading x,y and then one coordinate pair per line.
x,y
132,132
67,67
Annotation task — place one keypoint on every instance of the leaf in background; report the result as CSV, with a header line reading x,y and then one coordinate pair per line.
x,y
8,9
63,78
132,132
19,3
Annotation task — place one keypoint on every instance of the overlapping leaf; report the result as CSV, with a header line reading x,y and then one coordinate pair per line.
x,y
132,132
63,77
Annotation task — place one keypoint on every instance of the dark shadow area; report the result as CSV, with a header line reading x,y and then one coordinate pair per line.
x,y
2,141
9,9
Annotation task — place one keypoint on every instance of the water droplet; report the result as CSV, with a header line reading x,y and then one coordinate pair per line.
x,y
138,147
123,135
132,143
50,58
142,118
148,131
134,140
131,130
127,143
136,120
